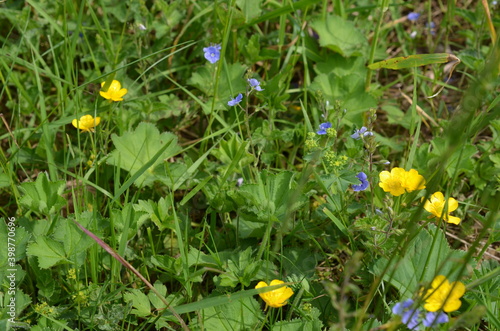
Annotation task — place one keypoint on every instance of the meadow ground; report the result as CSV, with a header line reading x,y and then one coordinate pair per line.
x,y
249,165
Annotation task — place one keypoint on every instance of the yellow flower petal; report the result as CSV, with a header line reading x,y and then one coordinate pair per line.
x,y
275,298
392,182
86,122
413,181
443,295
436,205
114,92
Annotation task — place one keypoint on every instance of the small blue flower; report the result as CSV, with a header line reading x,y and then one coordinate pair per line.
x,y
413,16
364,183
361,132
401,306
323,127
235,101
410,318
433,319
212,53
255,84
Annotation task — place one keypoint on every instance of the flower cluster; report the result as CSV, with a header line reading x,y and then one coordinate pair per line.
x,y
212,53
436,206
399,181
115,92
333,161
442,297
275,298
415,318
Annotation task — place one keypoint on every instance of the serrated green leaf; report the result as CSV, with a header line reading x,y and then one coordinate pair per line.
x,y
349,89
22,301
243,314
137,148
250,8
422,261
340,36
140,302
43,196
459,161
75,241
48,251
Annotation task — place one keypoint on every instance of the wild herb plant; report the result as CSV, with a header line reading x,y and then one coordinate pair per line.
x,y
249,165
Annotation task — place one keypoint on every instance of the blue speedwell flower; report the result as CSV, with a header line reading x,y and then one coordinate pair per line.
x,y
364,183
212,53
412,317
409,316
434,318
235,101
413,16
323,127
361,132
255,84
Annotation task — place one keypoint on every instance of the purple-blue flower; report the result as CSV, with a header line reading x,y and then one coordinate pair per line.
x,y
434,318
323,127
361,132
401,306
364,183
413,16
212,53
235,101
410,318
255,84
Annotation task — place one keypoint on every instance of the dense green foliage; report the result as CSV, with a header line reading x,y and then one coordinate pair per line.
x,y
304,141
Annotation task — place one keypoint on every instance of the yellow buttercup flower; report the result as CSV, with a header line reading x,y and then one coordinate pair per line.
x,y
444,295
392,182
435,206
275,298
115,91
86,123
413,181
400,181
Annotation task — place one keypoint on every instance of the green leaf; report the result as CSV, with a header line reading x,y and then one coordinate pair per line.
x,y
460,160
241,267
48,251
43,196
137,148
157,212
250,8
243,314
21,239
340,36
412,61
140,302
309,322
349,89
421,262
22,301
271,200
45,281
75,241
230,82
